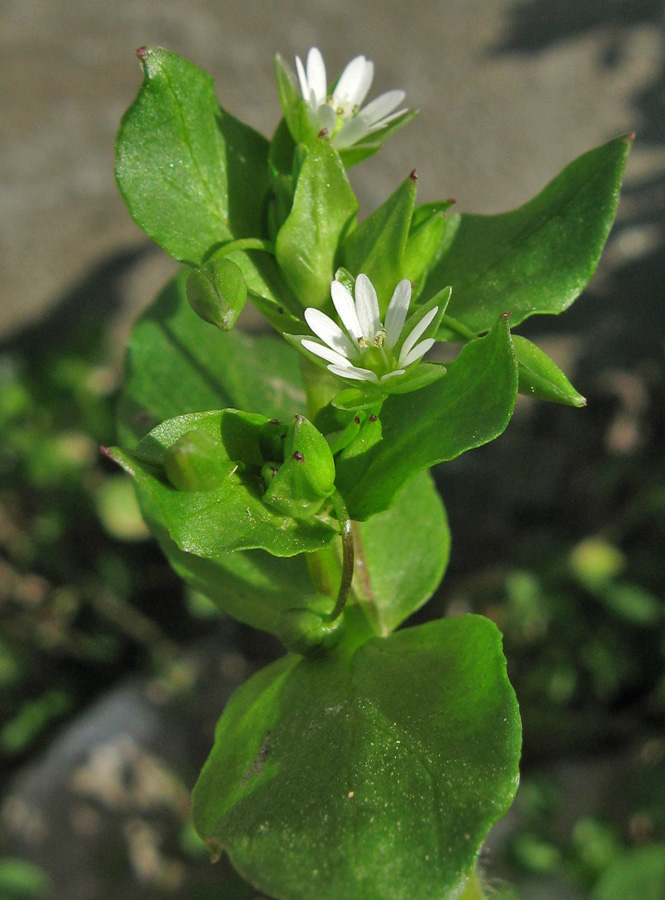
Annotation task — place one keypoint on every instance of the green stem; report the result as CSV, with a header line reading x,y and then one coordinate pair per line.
x,y
348,556
473,889
246,244
458,328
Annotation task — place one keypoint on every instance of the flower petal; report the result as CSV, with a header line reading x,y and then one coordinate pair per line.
x,y
405,359
367,307
353,85
302,78
330,332
346,309
380,107
326,353
355,373
352,131
326,118
397,310
417,330
316,75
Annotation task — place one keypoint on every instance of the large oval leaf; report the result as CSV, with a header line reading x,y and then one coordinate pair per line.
x,y
191,174
538,258
367,775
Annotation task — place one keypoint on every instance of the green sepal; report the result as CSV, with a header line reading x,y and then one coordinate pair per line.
x,y
338,427
271,440
323,208
197,462
540,377
290,97
300,786
217,292
307,477
537,258
191,175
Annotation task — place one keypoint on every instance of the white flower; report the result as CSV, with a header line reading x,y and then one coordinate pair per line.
x,y
340,113
364,350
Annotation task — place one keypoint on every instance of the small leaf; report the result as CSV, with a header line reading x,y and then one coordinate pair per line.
x,y
178,364
469,407
323,207
538,258
540,377
376,247
429,235
190,174
368,775
404,552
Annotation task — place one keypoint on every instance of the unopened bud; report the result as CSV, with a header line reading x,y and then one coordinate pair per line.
x,y
217,292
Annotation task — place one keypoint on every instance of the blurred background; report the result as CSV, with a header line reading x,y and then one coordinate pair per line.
x,y
111,675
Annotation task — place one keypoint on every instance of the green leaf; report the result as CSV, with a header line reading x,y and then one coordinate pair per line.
x,y
469,407
252,586
230,517
538,258
191,174
376,247
368,775
323,208
178,364
540,377
639,872
430,234
401,555
22,880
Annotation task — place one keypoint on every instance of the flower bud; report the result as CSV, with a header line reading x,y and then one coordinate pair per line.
x,y
217,292
197,462
307,477
271,440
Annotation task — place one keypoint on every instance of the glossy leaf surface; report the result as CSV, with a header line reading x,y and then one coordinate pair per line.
x,y
191,174
538,258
